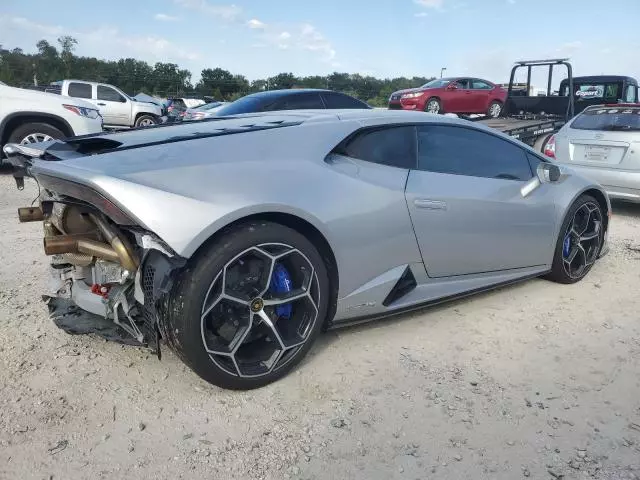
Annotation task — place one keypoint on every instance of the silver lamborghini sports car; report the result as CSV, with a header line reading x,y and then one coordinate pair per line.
x,y
236,241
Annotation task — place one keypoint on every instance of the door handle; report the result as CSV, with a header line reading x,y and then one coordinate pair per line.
x,y
429,204
101,104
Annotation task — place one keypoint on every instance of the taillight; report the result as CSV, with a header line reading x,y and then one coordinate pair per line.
x,y
550,147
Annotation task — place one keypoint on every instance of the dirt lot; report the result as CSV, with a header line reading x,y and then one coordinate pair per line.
x,y
536,380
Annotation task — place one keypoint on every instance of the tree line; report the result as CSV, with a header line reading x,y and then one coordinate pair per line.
x,y
57,62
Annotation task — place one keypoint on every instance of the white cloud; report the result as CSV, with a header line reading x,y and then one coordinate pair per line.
x,y
255,24
430,3
570,46
224,12
27,24
163,17
421,14
92,42
298,37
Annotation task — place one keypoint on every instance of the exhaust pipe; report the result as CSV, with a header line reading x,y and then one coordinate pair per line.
x,y
119,245
61,244
30,214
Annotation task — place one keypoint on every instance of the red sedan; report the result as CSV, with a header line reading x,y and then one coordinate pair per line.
x,y
452,95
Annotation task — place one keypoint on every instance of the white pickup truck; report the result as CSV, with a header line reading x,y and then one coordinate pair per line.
x,y
27,116
116,107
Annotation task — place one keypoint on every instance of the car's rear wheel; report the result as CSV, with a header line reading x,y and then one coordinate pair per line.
x,y
34,133
433,105
249,307
580,241
495,108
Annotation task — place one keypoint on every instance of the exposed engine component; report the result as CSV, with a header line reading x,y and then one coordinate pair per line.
x,y
68,219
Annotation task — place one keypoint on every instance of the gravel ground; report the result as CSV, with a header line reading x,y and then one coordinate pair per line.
x,y
537,380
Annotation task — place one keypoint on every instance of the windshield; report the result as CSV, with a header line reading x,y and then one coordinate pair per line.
x,y
439,83
248,104
608,119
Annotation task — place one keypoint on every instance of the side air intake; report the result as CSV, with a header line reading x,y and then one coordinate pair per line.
x,y
404,285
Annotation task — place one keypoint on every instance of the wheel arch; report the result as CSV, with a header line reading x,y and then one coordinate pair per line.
x,y
303,227
433,97
600,197
144,114
13,120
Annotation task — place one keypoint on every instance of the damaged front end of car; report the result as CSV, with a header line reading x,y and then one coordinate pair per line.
x,y
109,276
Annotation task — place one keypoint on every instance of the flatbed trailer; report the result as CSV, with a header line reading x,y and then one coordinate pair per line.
x,y
533,119
532,131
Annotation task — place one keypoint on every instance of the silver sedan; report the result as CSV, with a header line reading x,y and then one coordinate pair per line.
x,y
603,144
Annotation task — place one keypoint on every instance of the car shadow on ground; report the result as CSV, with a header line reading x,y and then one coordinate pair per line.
x,y
325,340
625,209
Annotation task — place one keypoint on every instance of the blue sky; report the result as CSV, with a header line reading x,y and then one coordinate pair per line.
x,y
386,38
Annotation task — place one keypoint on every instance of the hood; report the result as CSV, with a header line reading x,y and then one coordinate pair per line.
x,y
34,95
409,90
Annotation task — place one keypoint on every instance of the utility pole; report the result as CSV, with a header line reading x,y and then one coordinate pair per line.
x,y
442,71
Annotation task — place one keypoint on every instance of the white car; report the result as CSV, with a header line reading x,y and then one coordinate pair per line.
x,y
116,107
28,116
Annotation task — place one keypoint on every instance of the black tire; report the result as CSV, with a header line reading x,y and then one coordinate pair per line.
x,y
558,272
187,298
436,103
147,120
492,111
21,132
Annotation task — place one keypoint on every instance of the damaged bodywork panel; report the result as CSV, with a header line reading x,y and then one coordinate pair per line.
x,y
106,279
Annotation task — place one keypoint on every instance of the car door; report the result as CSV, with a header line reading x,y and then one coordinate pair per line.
x,y
479,96
114,107
466,205
455,100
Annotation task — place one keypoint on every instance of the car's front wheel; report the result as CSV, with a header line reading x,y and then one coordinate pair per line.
x,y
146,121
34,133
249,307
580,241
433,105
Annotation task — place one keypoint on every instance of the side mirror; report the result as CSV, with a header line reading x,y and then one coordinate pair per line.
x,y
452,86
548,172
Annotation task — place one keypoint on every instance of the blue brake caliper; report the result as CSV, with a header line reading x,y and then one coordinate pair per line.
x,y
566,246
281,283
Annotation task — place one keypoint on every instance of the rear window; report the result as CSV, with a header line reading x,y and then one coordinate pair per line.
x,y
79,90
608,119
584,91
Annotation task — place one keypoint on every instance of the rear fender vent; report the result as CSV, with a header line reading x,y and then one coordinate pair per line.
x,y
404,285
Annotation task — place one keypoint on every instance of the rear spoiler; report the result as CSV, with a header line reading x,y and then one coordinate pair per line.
x,y
21,157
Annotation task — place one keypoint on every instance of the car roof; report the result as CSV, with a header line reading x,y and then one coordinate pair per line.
x,y
288,91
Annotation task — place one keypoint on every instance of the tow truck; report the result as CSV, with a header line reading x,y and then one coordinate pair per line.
x,y
534,119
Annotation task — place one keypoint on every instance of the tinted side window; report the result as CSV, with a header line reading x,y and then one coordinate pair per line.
x,y
465,151
79,90
393,146
340,100
109,94
300,101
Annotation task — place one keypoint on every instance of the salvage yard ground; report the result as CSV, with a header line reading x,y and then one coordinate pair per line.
x,y
536,380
